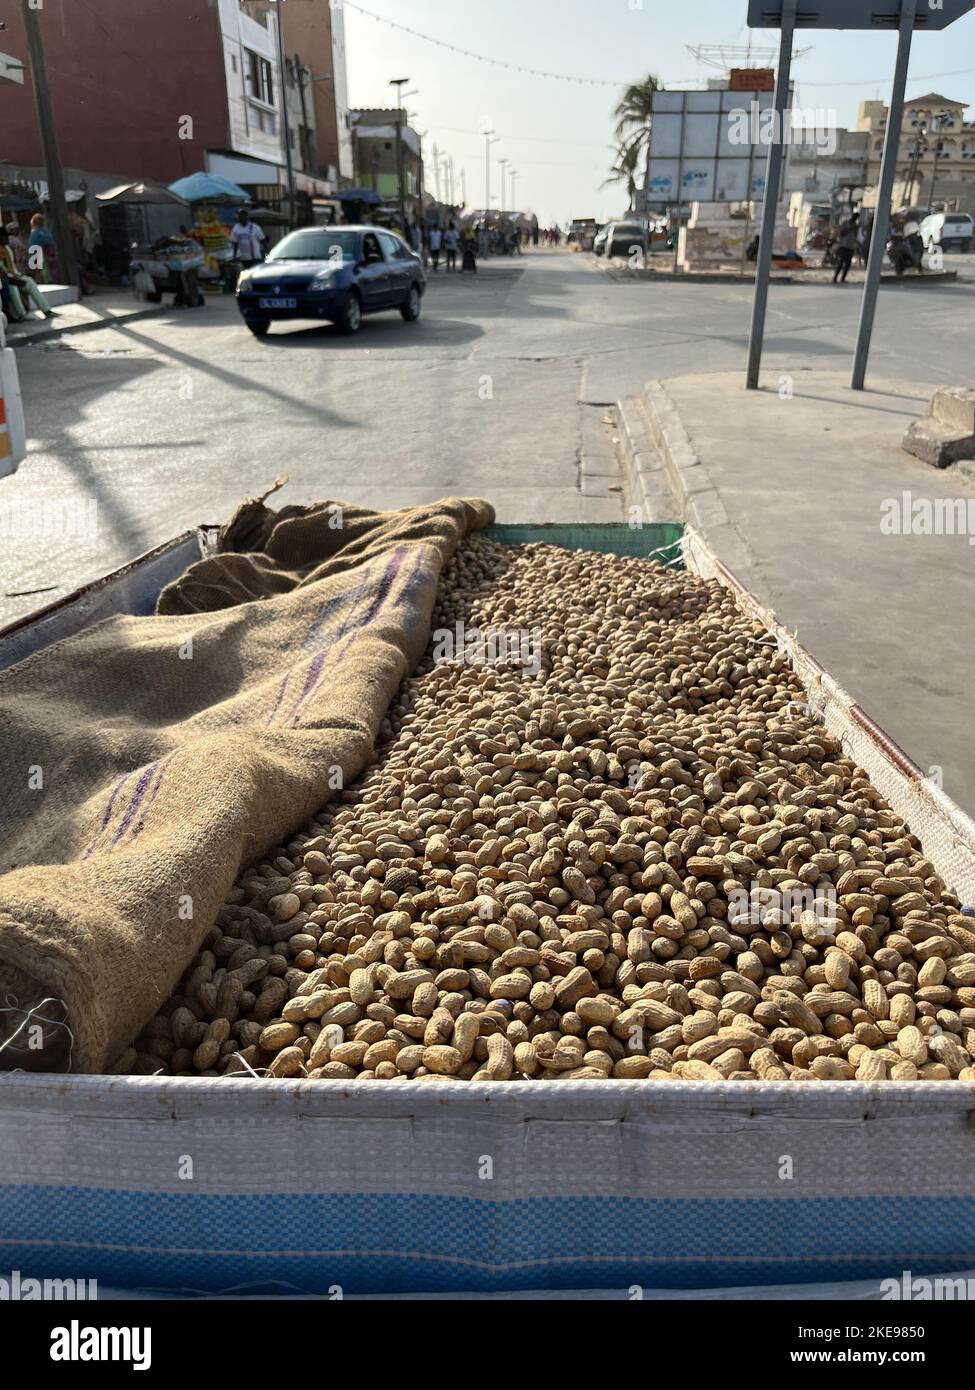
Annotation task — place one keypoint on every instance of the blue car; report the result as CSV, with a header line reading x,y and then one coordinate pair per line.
x,y
333,273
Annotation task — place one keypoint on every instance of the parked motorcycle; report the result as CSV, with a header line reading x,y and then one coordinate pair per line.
x,y
905,251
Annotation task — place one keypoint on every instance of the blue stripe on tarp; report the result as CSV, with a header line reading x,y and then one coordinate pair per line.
x,y
404,1244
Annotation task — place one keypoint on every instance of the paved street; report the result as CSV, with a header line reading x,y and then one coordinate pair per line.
x,y
500,390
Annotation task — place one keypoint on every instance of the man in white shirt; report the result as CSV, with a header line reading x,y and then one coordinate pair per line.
x,y
436,241
247,239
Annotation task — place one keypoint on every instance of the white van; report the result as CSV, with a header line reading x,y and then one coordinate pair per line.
x,y
952,231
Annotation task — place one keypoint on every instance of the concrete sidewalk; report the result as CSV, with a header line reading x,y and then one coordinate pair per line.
x,y
97,310
801,489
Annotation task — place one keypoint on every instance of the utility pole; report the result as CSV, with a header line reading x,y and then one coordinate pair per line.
x,y
463,187
49,142
310,151
436,171
908,198
285,122
504,164
489,140
939,124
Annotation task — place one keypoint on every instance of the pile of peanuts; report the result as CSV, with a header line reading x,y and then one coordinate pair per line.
x,y
595,866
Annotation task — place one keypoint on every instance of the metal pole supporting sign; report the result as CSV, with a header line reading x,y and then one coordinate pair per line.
x,y
881,15
773,178
888,172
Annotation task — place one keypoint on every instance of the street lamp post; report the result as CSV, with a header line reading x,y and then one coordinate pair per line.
x,y
504,165
489,140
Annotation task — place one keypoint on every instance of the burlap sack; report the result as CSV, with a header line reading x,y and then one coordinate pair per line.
x,y
145,761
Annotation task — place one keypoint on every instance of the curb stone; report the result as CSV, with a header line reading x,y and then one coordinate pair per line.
x,y
698,501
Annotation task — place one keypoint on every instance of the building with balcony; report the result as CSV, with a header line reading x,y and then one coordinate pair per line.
x,y
936,148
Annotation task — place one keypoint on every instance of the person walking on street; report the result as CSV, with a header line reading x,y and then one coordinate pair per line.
x,y
451,241
248,240
846,246
436,242
469,245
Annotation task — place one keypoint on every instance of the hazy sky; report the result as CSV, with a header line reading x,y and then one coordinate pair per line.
x,y
558,135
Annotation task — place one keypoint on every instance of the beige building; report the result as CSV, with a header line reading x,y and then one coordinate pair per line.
x,y
937,143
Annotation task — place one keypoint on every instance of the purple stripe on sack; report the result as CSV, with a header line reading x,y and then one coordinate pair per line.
x,y
108,814
277,703
349,599
379,599
341,641
134,804
155,792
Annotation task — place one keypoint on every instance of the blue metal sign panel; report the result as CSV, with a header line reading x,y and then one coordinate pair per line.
x,y
857,14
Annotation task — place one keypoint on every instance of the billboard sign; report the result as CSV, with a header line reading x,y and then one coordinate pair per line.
x,y
707,147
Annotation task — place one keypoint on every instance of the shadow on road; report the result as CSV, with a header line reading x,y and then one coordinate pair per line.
x,y
429,331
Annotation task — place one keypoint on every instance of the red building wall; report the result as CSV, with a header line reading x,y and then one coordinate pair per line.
x,y
122,74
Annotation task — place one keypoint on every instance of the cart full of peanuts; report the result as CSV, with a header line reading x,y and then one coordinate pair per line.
x,y
602,837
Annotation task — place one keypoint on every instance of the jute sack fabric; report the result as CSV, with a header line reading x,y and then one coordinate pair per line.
x,y
144,762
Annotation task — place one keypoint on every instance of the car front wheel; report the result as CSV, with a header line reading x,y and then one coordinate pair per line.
x,y
259,327
410,308
351,320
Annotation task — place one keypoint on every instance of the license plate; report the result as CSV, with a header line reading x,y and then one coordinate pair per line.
x,y
277,303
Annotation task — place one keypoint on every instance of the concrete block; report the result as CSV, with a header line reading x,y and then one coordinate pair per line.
x,y
60,294
947,433
955,406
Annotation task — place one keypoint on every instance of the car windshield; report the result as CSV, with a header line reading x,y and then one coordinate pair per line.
x,y
316,244
629,228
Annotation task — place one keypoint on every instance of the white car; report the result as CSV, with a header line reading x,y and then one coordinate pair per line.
x,y
949,230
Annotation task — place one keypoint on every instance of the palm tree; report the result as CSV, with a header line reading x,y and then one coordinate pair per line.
x,y
634,113
629,160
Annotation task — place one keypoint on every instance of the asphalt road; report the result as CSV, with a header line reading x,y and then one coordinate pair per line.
x,y
498,391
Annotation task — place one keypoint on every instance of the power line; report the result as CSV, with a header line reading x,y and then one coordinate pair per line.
x,y
531,139
873,81
482,58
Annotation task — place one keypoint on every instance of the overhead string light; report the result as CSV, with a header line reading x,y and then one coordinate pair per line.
x,y
483,58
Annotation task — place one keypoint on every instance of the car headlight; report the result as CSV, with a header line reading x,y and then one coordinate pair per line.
x,y
244,281
324,278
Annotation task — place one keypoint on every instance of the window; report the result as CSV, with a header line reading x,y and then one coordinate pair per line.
x,y
390,245
260,77
314,244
